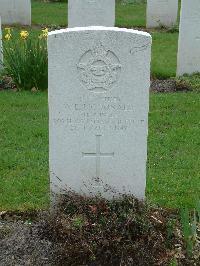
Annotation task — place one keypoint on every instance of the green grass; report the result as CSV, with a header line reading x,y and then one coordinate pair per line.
x,y
174,144
49,14
164,54
23,150
131,15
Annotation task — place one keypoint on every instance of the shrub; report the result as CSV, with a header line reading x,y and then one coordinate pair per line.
x,y
26,60
189,81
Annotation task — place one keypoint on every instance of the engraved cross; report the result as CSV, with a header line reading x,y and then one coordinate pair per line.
x,y
98,154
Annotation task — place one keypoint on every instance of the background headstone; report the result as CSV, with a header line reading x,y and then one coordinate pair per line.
x,y
161,13
99,82
82,13
15,12
189,38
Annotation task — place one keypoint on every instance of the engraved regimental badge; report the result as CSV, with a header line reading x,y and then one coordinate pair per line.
x,y
99,69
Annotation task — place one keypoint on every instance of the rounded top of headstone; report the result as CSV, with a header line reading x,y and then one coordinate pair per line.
x,y
100,28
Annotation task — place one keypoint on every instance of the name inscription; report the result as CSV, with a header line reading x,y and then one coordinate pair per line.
x,y
108,113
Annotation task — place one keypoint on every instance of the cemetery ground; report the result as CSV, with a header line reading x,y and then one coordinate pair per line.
x,y
173,164
173,178
174,120
127,15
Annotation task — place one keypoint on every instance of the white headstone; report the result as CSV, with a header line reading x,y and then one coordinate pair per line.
x,y
99,82
83,13
161,13
15,12
189,38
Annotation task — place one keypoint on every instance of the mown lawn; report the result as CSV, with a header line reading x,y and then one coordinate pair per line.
x,y
164,54
174,148
23,150
174,144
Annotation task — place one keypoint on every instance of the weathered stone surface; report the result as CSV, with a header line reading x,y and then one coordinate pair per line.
x,y
15,12
99,82
83,13
161,13
189,38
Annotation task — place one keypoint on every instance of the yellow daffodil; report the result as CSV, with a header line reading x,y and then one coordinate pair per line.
x,y
8,30
24,34
8,37
8,34
44,34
